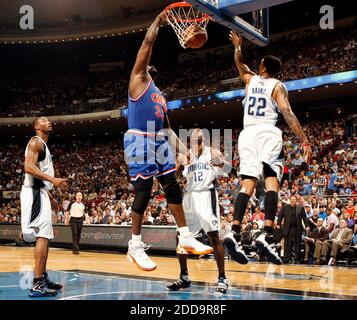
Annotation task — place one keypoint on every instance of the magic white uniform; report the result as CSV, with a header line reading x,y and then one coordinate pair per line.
x,y
200,201
36,214
261,141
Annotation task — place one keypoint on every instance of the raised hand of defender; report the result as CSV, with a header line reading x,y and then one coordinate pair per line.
x,y
236,39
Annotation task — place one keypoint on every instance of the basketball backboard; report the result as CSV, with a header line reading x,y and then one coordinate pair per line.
x,y
250,18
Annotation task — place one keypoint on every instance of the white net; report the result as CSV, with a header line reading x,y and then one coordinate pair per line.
x,y
186,21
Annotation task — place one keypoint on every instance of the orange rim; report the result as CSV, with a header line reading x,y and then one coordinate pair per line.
x,y
184,4
178,5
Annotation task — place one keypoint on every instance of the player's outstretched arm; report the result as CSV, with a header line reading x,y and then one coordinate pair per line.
x,y
281,96
244,72
144,55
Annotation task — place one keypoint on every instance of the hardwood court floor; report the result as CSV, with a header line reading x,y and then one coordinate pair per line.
x,y
324,281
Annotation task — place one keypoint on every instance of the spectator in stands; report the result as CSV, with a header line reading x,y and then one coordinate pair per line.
x,y
334,207
340,239
127,221
259,214
308,210
246,225
230,219
318,234
106,215
331,221
117,220
225,228
225,203
313,219
322,212
315,204
350,220
110,221
99,219
146,220
259,221
59,219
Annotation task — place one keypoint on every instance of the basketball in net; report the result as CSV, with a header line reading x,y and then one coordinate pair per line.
x,y
188,23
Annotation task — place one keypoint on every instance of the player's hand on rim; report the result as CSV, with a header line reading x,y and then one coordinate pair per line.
x,y
235,38
162,16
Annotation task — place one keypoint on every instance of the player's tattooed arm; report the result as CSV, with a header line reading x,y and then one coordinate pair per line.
x,y
281,96
282,99
244,72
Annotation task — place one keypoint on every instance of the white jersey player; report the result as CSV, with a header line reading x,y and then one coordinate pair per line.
x,y
200,197
36,216
201,166
37,203
260,147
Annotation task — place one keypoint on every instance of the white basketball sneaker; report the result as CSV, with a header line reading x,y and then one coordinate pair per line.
x,y
234,248
136,254
188,243
266,244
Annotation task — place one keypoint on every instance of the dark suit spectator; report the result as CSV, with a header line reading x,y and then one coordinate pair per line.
x,y
318,234
295,221
340,240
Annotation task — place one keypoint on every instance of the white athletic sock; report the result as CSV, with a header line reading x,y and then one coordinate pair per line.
x,y
136,238
183,230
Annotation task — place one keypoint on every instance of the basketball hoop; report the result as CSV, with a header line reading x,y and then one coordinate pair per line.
x,y
188,23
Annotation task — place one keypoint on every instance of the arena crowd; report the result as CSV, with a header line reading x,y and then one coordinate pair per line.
x,y
314,53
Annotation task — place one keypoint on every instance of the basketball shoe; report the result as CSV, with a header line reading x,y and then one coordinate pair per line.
x,y
265,243
189,244
40,290
232,243
137,255
222,285
181,283
51,284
